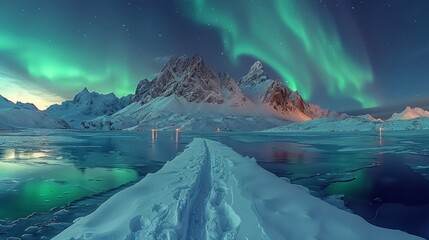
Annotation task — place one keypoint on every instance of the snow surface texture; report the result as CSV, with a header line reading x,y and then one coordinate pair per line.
x,y
211,192
86,106
25,115
187,94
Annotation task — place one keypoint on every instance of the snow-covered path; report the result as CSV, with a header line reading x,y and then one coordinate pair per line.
x,y
211,192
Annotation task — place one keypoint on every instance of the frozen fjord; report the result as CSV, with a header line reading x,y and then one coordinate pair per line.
x,y
211,192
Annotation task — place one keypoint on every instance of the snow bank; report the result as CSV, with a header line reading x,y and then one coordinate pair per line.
x,y
211,192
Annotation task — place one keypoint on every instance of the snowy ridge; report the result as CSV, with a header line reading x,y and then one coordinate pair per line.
x,y
211,192
6,103
349,124
88,105
192,80
26,115
410,113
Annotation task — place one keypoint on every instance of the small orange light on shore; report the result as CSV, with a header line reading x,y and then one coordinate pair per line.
x,y
177,129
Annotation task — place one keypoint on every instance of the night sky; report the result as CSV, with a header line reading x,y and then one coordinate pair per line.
x,y
340,54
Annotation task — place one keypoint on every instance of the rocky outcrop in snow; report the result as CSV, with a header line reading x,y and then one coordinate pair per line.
x,y
88,105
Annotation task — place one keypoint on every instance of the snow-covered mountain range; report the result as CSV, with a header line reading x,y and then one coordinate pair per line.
x,y
26,115
187,94
410,113
86,106
409,119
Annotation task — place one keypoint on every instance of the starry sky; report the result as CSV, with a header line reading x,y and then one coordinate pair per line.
x,y
340,54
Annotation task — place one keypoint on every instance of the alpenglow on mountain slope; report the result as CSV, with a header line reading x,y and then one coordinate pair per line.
x,y
187,94
26,115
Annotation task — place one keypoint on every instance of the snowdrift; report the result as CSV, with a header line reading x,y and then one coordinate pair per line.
x,y
211,192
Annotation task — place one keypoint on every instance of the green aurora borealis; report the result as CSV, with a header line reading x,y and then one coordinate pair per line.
x,y
342,55
291,37
64,67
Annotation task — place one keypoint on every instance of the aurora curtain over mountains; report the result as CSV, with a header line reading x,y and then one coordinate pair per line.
x,y
299,42
339,54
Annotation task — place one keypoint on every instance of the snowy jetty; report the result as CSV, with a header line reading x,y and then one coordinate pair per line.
x,y
211,192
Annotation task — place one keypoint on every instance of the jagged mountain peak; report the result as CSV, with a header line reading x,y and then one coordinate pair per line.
x,y
255,75
84,91
186,77
178,64
142,88
85,95
257,68
82,95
